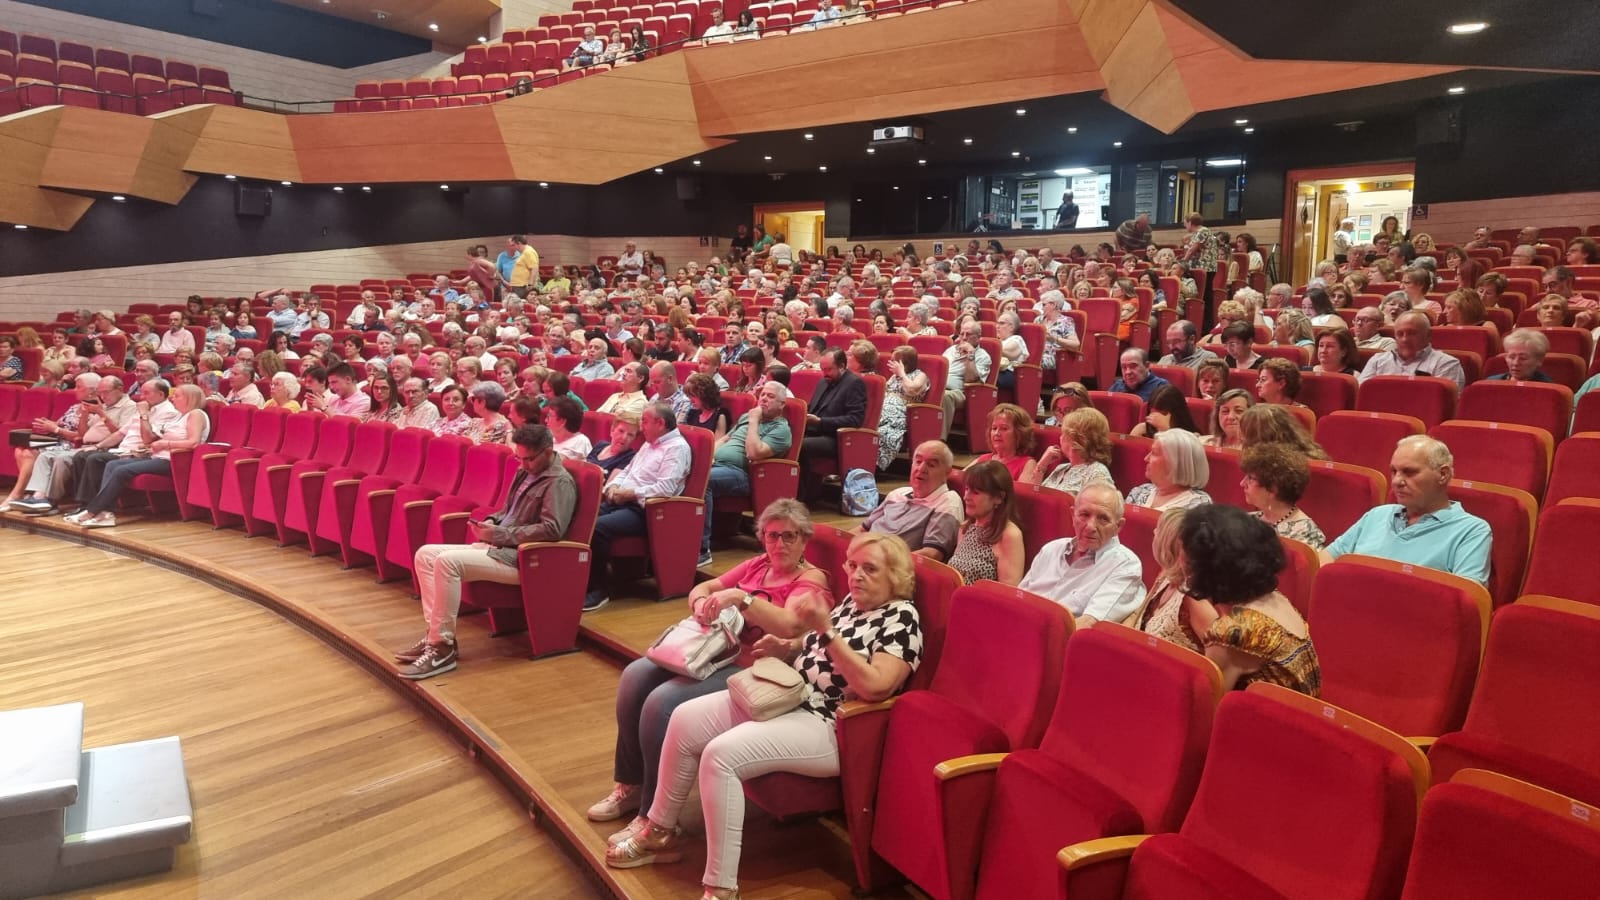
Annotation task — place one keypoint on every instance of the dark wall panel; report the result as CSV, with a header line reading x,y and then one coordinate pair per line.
x,y
257,25
1516,142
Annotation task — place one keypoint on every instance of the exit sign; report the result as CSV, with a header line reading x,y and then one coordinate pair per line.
x,y
1385,185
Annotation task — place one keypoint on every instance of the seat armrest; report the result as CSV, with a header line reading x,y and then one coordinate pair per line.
x,y
1423,743
968,765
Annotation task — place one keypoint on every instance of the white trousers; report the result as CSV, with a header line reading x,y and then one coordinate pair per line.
x,y
441,569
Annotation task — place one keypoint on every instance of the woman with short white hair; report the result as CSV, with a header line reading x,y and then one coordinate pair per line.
x,y
919,326
1178,471
1525,350
283,390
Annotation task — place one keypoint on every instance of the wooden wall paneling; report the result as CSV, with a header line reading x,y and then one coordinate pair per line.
x,y
25,144
238,141
108,153
1454,222
462,144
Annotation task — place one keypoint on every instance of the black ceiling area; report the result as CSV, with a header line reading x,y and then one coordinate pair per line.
x,y
1551,34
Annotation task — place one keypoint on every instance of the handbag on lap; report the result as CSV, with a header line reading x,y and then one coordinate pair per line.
x,y
694,650
767,689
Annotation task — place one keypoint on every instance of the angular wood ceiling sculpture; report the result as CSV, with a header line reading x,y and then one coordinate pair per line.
x,y
1149,60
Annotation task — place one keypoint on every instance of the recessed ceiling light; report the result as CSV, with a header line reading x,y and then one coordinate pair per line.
x,y
286,183
1116,143
1075,170
544,184
20,227
858,199
444,187
659,170
822,168
1021,111
922,162
897,187
231,177
1015,154
366,189
1457,89
337,189
871,150
1072,129
1467,27
1241,121
809,136
767,158
929,197
119,198
433,26
1224,163
967,141
697,162
1250,130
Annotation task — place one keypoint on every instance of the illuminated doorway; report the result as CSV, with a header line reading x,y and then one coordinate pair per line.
x,y
1317,200
801,224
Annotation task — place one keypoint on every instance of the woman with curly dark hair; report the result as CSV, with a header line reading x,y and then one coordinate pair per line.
x,y
705,400
1275,478
1253,633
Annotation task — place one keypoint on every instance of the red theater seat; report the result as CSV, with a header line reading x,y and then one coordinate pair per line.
x,y
1535,714
223,471
1536,404
1576,472
289,480
674,525
1338,494
772,479
993,693
376,534
1516,456
1322,765
1365,439
1427,398
245,489
351,525
1564,562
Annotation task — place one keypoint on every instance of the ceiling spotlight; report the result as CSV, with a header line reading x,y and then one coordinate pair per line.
x,y
871,150
922,162
231,177
20,227
119,198
1250,130
822,168
1116,143
809,136
286,183
897,187
433,26
767,158
929,197
967,141
544,184
366,189
1457,89
337,189
1072,129
1460,28
1241,121
444,187
1015,154
660,170
1075,170
1224,163
1021,111
696,162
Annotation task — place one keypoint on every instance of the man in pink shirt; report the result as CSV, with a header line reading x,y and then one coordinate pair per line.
x,y
342,398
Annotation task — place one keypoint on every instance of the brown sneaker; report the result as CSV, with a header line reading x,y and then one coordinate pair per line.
x,y
435,659
410,654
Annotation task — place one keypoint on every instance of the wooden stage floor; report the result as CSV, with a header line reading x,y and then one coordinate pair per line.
x,y
544,728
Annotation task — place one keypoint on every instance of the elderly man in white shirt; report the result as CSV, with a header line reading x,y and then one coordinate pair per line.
x,y
969,364
152,405
631,262
659,469
1413,354
1091,573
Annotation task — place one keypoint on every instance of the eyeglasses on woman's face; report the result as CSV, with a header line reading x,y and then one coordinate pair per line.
x,y
784,537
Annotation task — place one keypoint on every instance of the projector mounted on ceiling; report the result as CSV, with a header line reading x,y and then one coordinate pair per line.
x,y
889,135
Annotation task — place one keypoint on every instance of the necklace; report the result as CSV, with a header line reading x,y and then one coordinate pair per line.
x,y
1288,514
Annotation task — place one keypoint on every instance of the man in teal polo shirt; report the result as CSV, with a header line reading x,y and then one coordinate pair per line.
x,y
1426,528
761,433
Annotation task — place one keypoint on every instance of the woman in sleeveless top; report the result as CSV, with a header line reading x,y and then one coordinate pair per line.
x,y
188,431
990,544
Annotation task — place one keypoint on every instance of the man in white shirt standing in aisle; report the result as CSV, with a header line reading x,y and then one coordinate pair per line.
x,y
631,262
1091,573
969,364
659,469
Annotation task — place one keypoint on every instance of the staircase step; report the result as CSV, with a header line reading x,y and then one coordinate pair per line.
x,y
135,799
39,758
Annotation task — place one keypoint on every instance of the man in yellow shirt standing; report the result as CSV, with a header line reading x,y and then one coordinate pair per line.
x,y
524,267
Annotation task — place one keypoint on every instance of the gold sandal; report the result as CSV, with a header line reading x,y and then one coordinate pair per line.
x,y
653,844
720,894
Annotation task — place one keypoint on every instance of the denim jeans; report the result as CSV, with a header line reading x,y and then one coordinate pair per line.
x,y
117,475
616,520
724,481
646,697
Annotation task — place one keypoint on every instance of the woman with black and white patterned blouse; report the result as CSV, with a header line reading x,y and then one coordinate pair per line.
x,y
865,650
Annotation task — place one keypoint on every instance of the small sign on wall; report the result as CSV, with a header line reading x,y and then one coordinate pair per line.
x,y
1419,213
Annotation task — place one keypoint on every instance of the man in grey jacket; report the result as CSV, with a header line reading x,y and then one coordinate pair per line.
x,y
538,508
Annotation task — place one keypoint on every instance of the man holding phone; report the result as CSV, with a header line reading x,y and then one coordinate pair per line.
x,y
969,364
538,508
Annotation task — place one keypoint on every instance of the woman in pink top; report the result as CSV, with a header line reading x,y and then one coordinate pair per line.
x,y
186,433
767,589
1010,440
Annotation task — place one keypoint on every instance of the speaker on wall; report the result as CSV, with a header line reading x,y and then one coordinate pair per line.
x,y
1439,123
688,187
252,201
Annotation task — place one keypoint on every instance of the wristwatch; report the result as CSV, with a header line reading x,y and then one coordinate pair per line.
x,y
750,597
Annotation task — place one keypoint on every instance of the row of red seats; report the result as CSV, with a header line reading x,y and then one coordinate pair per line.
x,y
35,72
37,46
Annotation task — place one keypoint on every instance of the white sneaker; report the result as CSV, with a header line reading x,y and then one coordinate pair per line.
x,y
103,520
623,800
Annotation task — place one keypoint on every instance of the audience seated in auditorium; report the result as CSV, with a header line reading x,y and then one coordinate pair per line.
x,y
1168,408
1010,441
1090,573
989,545
1227,415
925,514
1134,364
969,364
95,422
866,649
539,505
765,590
185,429
761,433
617,451
1082,457
1169,611
1426,527
658,469
1182,349
1525,350
1178,471
840,401
907,384
1368,320
629,400
1231,560
1413,354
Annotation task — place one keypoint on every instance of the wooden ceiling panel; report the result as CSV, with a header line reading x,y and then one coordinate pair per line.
x,y
238,141
460,144
132,155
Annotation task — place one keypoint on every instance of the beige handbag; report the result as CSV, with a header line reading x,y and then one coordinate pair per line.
x,y
767,689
